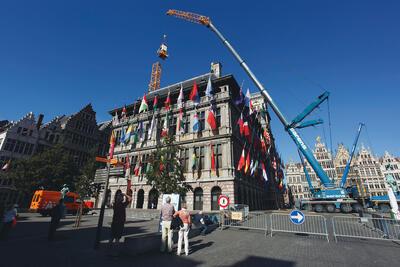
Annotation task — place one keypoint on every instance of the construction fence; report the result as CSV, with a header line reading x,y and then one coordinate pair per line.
x,y
349,226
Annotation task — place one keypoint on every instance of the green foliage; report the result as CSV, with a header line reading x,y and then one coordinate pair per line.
x,y
49,169
84,184
166,172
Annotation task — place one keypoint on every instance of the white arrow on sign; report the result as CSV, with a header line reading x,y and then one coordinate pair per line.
x,y
297,217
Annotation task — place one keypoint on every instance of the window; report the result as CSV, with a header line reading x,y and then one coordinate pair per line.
x,y
19,130
198,199
10,144
201,158
172,125
215,193
202,116
185,159
218,156
24,131
218,117
57,138
186,123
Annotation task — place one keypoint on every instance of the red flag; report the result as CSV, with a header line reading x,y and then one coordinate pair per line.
x,y
155,103
194,94
240,122
128,187
246,129
211,119
213,167
167,103
241,161
137,168
127,163
267,137
247,165
123,114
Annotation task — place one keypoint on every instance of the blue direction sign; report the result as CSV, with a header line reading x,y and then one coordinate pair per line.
x,y
297,217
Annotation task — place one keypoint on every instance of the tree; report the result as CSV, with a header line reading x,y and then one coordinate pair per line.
x,y
49,169
165,172
84,184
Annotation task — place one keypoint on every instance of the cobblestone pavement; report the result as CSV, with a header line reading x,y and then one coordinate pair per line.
x,y
28,246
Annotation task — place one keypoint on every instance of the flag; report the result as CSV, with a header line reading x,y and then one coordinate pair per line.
x,y
164,131
194,161
150,132
247,98
254,167
155,103
241,162
263,145
247,164
6,166
240,122
209,89
246,129
180,98
267,136
123,114
127,166
211,119
194,94
143,105
128,133
112,145
122,138
167,103
135,136
128,187
179,123
196,123
136,171
280,185
240,99
213,167
264,171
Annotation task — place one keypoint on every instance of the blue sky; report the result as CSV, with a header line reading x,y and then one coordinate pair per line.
x,y
57,56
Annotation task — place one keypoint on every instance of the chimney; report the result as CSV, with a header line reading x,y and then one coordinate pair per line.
x,y
39,122
216,69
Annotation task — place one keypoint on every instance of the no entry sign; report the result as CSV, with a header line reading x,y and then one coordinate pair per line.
x,y
223,201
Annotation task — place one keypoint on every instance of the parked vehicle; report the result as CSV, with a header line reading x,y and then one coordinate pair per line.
x,y
43,201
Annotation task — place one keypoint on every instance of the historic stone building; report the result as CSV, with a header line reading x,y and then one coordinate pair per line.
x,y
296,180
196,147
78,133
340,161
18,139
370,173
390,165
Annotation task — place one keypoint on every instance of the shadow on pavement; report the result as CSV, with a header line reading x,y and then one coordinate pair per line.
x,y
259,261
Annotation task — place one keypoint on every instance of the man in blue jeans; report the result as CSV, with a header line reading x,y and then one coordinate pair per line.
x,y
200,221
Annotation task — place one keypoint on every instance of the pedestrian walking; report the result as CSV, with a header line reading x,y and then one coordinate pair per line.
x,y
199,219
167,212
183,233
121,201
9,220
56,214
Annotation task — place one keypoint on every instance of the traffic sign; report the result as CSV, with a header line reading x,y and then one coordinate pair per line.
x,y
223,201
297,217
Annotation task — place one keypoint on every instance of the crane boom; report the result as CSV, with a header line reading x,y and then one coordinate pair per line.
x,y
200,19
353,149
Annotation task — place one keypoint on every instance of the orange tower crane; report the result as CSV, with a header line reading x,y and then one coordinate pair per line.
x,y
155,78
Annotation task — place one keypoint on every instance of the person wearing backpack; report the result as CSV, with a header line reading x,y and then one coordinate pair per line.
x,y
183,233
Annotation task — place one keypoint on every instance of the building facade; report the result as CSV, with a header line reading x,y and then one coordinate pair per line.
x,y
390,165
195,153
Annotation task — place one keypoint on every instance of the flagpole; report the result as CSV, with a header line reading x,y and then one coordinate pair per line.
x,y
102,209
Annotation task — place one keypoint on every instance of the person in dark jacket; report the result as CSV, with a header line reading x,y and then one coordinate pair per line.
x,y
56,214
121,201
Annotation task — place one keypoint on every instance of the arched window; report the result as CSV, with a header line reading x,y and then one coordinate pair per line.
x,y
198,199
215,193
153,199
140,199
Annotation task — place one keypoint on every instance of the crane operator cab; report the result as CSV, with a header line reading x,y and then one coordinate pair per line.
x,y
162,51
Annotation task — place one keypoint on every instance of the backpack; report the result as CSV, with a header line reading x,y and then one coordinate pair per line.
x,y
176,223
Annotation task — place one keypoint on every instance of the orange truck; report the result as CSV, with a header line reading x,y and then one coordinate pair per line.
x,y
43,201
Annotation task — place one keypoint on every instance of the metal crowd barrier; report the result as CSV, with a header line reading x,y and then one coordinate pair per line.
x,y
238,219
312,225
366,228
